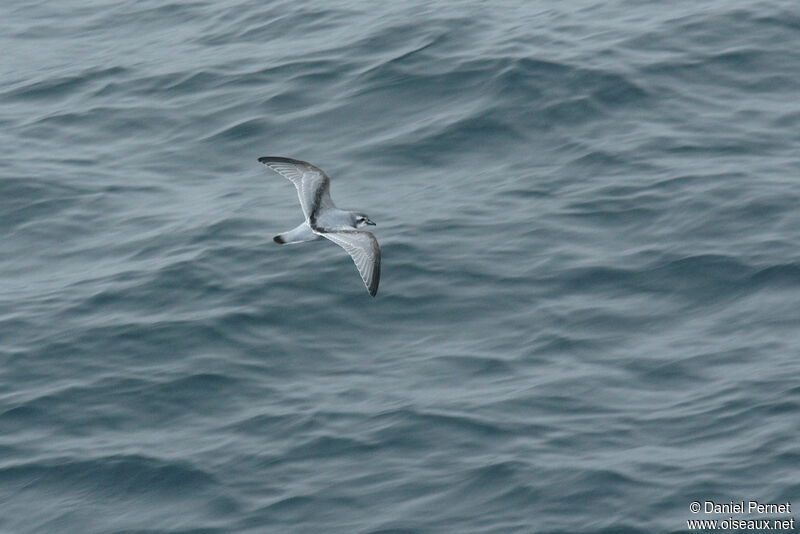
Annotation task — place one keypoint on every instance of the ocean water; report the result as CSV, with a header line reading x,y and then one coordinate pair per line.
x,y
589,310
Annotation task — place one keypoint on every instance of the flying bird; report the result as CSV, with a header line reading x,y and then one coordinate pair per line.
x,y
324,219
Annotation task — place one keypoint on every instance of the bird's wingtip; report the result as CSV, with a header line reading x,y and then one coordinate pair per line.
x,y
281,159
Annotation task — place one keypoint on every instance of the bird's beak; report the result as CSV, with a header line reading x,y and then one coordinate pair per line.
x,y
369,222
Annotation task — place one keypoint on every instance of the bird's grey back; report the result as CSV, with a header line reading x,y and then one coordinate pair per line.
x,y
334,218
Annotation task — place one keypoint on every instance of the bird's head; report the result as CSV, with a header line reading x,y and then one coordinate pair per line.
x,y
361,219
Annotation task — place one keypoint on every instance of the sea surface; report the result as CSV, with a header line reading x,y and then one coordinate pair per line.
x,y
589,311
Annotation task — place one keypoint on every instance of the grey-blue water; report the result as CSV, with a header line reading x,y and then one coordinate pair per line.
x,y
589,311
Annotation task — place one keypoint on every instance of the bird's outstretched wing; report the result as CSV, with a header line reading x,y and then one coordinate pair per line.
x,y
313,185
365,251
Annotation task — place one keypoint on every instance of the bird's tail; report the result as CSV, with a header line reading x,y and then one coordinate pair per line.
x,y
301,234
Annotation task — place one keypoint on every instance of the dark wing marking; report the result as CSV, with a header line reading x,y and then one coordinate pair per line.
x,y
312,183
365,251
